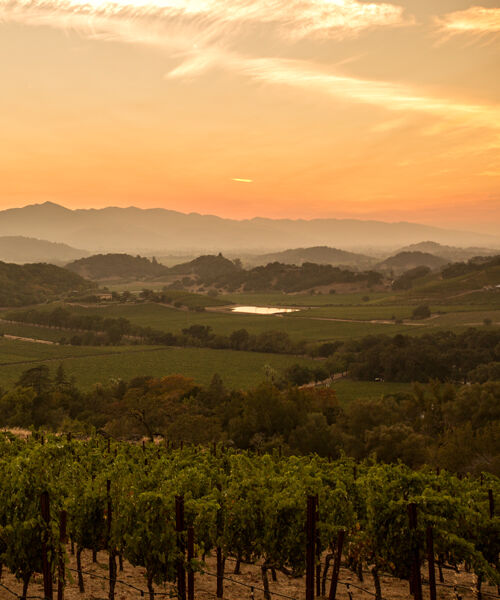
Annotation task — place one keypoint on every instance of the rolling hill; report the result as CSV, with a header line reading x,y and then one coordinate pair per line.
x,y
321,255
450,253
21,285
404,261
21,250
117,266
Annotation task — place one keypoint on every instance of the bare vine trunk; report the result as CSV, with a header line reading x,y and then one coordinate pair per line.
x,y
265,582
376,581
26,582
81,585
151,588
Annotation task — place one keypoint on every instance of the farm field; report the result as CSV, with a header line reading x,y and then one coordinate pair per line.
x,y
165,318
90,365
281,299
372,312
311,324
32,331
348,390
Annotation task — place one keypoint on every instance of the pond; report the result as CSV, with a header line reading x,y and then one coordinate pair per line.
x,y
262,310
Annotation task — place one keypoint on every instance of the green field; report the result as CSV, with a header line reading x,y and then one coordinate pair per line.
x,y
33,331
321,318
316,324
348,390
90,365
281,299
165,318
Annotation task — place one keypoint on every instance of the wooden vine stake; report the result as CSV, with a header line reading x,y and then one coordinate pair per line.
x,y
190,557
415,567
430,563
46,568
336,564
61,570
111,550
310,549
179,527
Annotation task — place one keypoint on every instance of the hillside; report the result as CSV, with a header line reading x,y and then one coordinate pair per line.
x,y
450,253
21,250
223,274
321,255
404,261
462,278
158,230
117,266
35,283
208,268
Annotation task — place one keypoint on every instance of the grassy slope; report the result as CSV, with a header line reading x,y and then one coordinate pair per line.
x,y
348,390
90,365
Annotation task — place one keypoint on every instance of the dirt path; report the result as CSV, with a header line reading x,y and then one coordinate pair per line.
x,y
28,339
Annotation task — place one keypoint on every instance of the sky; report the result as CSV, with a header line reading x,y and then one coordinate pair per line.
x,y
274,108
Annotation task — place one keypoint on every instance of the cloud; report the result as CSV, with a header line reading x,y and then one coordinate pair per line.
x,y
391,96
476,20
294,19
204,34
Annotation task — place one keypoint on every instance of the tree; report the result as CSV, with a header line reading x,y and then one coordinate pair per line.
x,y
421,312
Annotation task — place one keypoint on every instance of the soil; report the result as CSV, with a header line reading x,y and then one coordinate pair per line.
x,y
245,586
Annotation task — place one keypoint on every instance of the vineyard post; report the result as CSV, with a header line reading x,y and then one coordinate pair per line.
x,y
46,568
179,527
220,558
310,548
190,557
112,561
492,503
61,572
430,562
415,568
336,564
318,552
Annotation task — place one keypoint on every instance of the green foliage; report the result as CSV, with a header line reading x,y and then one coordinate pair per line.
x,y
39,282
421,312
253,507
108,266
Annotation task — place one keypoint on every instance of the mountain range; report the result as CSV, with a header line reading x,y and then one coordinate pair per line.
x,y
134,229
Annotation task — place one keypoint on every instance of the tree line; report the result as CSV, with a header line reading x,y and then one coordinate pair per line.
x,y
457,427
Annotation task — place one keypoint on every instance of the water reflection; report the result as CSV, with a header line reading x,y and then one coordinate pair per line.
x,y
262,310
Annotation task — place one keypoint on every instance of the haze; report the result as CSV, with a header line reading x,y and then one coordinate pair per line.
x,y
301,109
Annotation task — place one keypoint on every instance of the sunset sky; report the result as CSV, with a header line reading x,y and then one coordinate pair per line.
x,y
277,108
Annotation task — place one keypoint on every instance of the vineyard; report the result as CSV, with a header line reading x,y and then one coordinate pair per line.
x,y
202,522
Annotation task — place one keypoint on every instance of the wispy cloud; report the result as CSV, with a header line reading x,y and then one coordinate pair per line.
x,y
315,78
204,34
293,19
476,20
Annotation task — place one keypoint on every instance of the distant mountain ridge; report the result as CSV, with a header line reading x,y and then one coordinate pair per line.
x,y
21,250
147,231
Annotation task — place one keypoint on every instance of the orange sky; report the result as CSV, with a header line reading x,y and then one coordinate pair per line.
x,y
326,107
